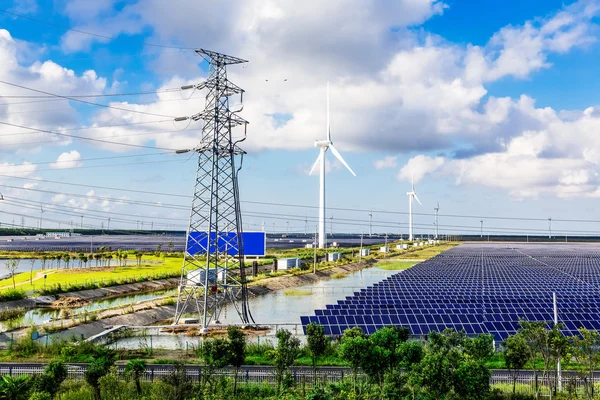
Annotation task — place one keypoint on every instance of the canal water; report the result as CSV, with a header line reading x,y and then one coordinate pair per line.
x,y
39,316
276,309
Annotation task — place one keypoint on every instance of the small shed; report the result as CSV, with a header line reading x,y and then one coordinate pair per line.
x,y
333,256
287,263
384,249
365,252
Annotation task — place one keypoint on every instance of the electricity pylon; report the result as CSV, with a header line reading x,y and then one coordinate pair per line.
x,y
211,275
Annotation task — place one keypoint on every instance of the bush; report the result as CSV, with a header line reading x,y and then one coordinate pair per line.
x,y
40,396
12,294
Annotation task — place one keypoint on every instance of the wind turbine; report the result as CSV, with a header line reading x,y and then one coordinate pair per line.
x,y
323,146
411,195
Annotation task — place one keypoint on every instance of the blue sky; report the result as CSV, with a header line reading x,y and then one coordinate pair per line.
x,y
490,105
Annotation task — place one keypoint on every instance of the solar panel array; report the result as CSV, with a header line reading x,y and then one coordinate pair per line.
x,y
481,288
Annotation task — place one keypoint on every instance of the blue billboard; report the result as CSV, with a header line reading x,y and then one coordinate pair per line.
x,y
255,243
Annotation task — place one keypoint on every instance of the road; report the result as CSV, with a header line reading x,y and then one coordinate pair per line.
x,y
146,242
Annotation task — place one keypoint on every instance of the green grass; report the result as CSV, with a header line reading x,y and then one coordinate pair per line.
x,y
393,265
89,276
297,292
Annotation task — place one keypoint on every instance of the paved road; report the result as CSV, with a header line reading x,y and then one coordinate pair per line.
x,y
145,242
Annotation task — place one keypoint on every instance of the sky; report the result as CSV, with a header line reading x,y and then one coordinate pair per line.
x,y
491,107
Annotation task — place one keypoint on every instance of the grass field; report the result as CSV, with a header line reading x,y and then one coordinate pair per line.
x,y
395,265
151,266
427,252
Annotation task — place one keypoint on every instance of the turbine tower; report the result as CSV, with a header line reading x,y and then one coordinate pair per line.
x,y
211,275
411,195
323,146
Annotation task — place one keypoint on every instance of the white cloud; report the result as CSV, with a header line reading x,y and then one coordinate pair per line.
x,y
69,159
46,76
419,166
387,162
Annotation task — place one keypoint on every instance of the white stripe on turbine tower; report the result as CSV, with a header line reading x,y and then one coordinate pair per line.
x,y
325,145
411,195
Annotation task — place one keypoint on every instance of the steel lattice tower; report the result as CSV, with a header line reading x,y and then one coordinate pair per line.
x,y
211,273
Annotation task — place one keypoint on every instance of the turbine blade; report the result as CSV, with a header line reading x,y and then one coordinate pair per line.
x,y
339,157
417,198
316,163
328,126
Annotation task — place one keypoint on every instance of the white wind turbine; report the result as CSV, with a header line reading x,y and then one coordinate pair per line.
x,y
412,194
325,145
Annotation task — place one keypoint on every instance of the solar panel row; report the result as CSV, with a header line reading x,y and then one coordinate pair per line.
x,y
481,288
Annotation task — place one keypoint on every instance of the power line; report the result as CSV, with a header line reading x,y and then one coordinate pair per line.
x,y
87,102
101,137
39,21
87,159
301,205
85,138
81,96
83,128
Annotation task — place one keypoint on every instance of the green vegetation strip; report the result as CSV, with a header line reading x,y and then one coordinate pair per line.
x,y
384,365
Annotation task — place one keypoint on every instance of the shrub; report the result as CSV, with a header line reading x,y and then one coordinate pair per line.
x,y
12,294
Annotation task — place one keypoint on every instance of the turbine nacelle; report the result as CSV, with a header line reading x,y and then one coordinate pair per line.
x,y
323,143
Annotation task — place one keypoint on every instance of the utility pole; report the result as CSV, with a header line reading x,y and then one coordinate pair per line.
x,y
550,227
305,224
109,223
152,225
331,227
215,205
558,369
82,222
315,251
41,216
370,224
361,247
436,209
287,227
481,228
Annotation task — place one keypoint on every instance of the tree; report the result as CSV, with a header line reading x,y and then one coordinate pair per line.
x,y
96,370
158,248
352,349
472,380
180,384
534,335
135,369
287,351
66,258
14,388
32,262
480,348
12,265
236,354
516,354
316,343
50,380
586,350
170,245
214,353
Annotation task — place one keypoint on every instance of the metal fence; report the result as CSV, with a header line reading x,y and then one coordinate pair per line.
x,y
525,382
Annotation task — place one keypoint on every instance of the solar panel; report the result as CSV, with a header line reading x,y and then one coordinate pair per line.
x,y
481,288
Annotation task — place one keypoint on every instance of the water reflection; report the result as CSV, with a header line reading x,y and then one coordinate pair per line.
x,y
275,308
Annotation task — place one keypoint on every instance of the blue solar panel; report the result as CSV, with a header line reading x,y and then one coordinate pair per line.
x,y
479,288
